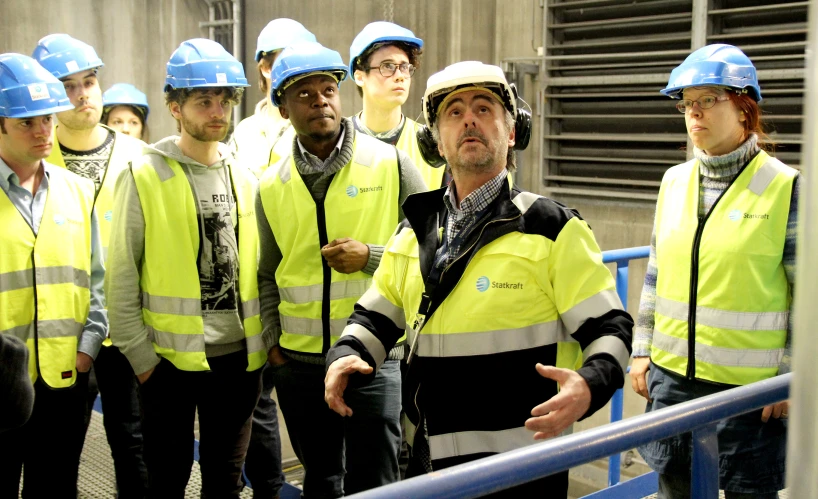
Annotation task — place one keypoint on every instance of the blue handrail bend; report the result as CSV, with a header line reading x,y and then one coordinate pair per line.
x,y
495,473
621,257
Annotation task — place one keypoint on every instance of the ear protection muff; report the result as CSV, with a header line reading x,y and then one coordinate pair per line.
x,y
522,136
428,147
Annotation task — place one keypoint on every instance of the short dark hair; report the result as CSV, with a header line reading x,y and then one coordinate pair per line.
x,y
413,53
181,95
3,125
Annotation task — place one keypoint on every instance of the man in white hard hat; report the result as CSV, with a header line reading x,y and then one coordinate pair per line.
x,y
487,275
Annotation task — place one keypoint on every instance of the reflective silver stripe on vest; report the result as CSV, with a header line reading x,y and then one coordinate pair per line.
x,y
524,200
59,328
464,443
371,342
764,177
374,302
284,172
256,344
720,356
364,156
610,345
23,332
65,274
724,319
489,342
311,327
337,291
177,342
161,167
590,308
19,279
171,305
251,308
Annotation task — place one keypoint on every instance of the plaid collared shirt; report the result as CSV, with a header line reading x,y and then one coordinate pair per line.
x,y
460,221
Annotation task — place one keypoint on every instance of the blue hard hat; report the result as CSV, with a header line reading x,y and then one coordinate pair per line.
x,y
27,89
203,63
125,94
379,31
64,55
715,65
280,33
302,60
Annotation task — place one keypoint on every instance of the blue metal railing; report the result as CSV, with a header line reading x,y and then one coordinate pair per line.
x,y
516,467
621,257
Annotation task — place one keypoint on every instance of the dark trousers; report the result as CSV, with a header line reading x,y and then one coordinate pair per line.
x,y
263,463
342,456
113,378
49,445
224,398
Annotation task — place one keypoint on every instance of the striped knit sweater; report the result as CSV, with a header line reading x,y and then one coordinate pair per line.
x,y
716,174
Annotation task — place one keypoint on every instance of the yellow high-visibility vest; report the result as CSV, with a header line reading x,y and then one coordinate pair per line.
x,y
361,203
45,279
171,291
741,294
408,143
254,149
125,150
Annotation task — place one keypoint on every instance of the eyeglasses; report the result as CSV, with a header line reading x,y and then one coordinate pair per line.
x,y
388,69
705,102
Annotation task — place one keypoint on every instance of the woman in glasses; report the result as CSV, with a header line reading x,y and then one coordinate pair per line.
x,y
382,59
716,303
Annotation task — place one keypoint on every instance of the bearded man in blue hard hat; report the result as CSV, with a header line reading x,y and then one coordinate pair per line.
x,y
324,213
382,60
182,291
502,292
265,137
51,276
98,153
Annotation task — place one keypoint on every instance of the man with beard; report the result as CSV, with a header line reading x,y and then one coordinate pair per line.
x,y
504,291
183,222
98,153
50,284
324,213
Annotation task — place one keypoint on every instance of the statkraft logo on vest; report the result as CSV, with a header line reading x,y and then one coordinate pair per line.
x,y
353,191
737,215
484,283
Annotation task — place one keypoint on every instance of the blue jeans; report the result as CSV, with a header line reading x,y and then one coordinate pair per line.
x,y
342,455
263,463
752,454
113,376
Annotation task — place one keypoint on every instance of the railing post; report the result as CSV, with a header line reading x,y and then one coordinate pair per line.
x,y
705,469
614,461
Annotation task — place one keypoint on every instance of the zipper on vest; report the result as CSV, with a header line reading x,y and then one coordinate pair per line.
x,y
694,274
36,318
471,246
691,310
325,303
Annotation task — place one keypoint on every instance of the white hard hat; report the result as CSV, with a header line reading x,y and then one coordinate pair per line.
x,y
463,76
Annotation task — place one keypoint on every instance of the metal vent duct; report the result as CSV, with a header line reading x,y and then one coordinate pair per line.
x,y
607,132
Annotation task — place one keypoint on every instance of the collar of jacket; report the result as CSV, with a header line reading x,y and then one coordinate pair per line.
x,y
425,213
